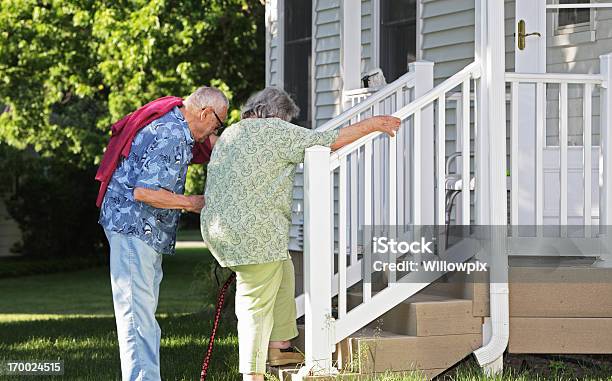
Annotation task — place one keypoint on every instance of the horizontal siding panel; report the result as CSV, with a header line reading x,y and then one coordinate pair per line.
x,y
445,22
328,30
326,4
603,14
366,36
588,66
327,71
332,56
326,113
445,70
327,85
449,37
451,53
444,7
581,52
328,16
327,44
327,98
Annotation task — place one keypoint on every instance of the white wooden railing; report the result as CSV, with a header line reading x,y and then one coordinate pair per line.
x,y
357,105
365,103
584,192
371,190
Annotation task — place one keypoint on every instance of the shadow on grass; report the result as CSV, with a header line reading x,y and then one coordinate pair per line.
x,y
88,346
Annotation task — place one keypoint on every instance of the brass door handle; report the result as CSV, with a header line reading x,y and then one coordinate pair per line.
x,y
522,34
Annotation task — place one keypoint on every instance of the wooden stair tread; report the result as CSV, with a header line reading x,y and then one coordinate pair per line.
x,y
426,314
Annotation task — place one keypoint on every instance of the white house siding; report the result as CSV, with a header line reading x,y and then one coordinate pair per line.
x,y
367,36
273,44
447,35
327,82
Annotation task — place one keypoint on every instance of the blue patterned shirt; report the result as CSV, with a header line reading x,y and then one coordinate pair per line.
x,y
158,159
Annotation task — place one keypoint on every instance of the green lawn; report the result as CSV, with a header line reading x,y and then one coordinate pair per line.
x,y
69,316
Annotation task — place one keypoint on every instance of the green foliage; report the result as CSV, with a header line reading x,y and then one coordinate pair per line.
x,y
68,69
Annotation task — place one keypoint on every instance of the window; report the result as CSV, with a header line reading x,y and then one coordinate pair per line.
x,y
397,36
573,16
298,33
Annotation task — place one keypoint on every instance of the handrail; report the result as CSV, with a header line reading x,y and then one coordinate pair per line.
x,y
595,79
406,79
472,70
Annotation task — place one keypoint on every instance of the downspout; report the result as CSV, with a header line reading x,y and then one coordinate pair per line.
x,y
490,50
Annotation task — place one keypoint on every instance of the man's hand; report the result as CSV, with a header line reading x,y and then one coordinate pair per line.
x,y
196,203
384,123
164,199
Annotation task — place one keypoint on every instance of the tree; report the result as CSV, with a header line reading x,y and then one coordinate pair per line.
x,y
68,69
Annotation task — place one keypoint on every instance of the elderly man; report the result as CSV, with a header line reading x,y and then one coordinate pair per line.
x,y
141,202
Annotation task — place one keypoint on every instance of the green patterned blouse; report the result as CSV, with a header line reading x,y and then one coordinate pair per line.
x,y
249,189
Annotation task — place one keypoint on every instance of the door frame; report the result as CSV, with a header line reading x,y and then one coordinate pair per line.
x,y
530,60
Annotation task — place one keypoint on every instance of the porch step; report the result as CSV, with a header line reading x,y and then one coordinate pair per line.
x,y
373,353
427,315
430,354
422,336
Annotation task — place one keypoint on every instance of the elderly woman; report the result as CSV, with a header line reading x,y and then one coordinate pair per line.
x,y
245,221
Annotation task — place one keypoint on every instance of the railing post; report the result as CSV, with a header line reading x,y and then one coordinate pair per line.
x,y
424,81
318,259
605,166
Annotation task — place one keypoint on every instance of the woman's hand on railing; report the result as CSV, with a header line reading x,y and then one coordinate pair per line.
x,y
384,123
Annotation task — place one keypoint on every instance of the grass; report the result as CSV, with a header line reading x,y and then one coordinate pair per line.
x,y
69,316
189,235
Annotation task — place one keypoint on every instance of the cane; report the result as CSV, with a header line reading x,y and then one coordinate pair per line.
x,y
218,308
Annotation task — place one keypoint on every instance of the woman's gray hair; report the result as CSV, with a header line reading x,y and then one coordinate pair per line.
x,y
270,102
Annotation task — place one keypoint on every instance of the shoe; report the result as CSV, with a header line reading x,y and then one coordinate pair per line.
x,y
278,357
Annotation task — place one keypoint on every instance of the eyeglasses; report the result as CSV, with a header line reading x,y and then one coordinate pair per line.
x,y
221,125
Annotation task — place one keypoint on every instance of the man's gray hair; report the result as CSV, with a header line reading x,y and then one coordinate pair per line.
x,y
207,97
270,102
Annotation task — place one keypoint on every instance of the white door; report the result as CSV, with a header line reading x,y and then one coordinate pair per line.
x,y
530,57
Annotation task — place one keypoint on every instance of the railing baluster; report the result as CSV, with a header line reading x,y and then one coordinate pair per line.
x,y
514,142
465,153
540,141
587,146
392,202
367,211
440,159
354,205
563,116
416,168
342,239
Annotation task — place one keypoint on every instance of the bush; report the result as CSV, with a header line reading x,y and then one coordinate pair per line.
x,y
54,205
